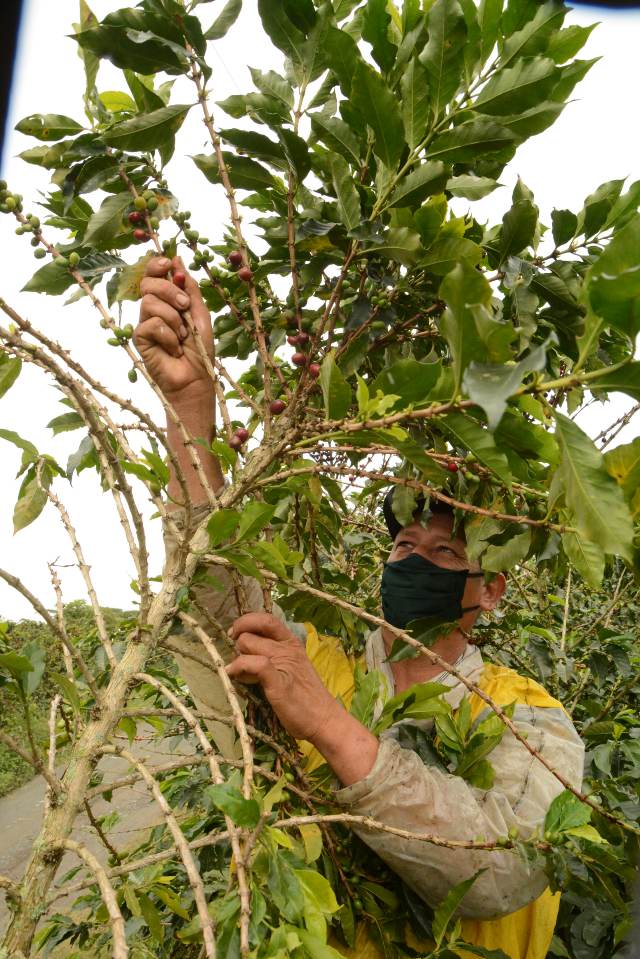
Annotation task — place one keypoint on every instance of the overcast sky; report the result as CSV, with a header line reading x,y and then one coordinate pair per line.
x,y
594,140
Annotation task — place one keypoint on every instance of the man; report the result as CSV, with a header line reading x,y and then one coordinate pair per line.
x,y
508,906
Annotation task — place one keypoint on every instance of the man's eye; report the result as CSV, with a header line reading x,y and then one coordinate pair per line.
x,y
446,549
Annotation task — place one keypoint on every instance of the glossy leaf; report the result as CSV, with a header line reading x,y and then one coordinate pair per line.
x,y
9,372
469,435
519,223
225,20
243,812
444,912
377,104
517,88
106,223
425,180
131,51
51,278
244,173
466,293
337,135
222,525
566,812
471,187
375,30
410,379
335,389
613,282
443,55
467,141
415,102
490,385
282,32
147,131
594,501
346,193
48,126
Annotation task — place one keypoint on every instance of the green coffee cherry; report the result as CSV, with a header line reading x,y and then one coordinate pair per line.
x,y
154,222
20,230
133,375
113,341
10,203
140,203
35,221
39,253
35,241
104,324
74,259
62,260
152,204
128,330
191,235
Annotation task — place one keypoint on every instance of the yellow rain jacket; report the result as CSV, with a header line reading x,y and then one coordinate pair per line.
x,y
509,906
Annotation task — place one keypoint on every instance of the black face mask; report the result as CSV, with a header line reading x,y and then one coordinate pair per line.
x,y
415,588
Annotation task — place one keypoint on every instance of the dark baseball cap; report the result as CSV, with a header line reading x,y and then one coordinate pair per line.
x,y
394,527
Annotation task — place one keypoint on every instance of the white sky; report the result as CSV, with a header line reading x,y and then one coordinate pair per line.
x,y
594,140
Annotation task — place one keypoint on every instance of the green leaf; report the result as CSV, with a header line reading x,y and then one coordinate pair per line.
x,y
146,100
244,173
336,135
588,558
48,126
296,153
564,224
471,187
152,917
613,282
348,199
106,223
566,43
312,839
65,423
9,372
518,88
448,251
51,278
243,812
410,379
415,102
489,12
519,224
379,107
335,389
342,55
425,180
129,280
466,292
471,436
375,30
365,696
282,32
625,380
225,20
222,525
131,49
443,55
15,664
269,556
115,101
443,914
566,812
31,502
623,464
503,556
533,37
255,516
490,385
470,140
147,131
399,243
593,499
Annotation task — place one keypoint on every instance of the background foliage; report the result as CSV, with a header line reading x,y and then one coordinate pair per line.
x,y
431,351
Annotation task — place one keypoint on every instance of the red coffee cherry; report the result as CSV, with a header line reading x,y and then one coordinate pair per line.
x,y
292,340
136,217
242,434
277,406
235,442
452,467
141,235
235,258
303,338
245,274
314,370
299,359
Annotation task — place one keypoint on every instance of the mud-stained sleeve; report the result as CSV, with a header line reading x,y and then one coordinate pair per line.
x,y
402,791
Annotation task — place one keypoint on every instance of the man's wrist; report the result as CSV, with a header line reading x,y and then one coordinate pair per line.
x,y
348,746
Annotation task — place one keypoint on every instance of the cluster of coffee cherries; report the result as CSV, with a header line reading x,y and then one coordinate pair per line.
x,y
141,216
236,260
9,202
300,339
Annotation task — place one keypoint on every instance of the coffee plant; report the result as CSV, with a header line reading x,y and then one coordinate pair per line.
x,y
369,332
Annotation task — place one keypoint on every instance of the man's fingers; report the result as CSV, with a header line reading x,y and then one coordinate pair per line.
x,y
257,645
155,332
199,309
261,624
249,669
153,306
158,266
167,291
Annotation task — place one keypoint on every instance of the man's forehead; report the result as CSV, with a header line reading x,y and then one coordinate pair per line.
x,y
436,524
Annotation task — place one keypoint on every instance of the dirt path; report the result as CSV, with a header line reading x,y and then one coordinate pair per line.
x,y
21,814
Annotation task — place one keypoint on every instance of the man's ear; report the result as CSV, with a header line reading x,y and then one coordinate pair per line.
x,y
492,592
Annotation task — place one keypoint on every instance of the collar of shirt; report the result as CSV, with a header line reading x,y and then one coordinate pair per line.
x,y
469,664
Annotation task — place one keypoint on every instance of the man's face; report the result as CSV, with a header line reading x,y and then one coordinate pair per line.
x,y
433,541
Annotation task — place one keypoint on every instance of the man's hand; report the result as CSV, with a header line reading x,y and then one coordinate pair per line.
x,y
269,654
164,342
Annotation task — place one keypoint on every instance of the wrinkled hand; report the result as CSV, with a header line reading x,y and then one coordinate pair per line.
x,y
268,653
166,346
